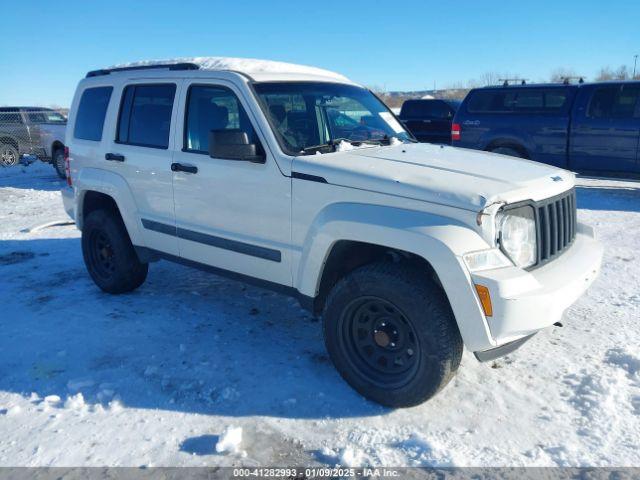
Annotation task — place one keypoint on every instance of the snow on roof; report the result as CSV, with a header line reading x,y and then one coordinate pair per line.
x,y
243,65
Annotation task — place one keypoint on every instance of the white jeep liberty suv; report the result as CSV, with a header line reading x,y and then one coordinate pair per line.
x,y
297,179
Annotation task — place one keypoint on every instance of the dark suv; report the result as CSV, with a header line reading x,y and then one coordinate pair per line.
x,y
583,127
429,119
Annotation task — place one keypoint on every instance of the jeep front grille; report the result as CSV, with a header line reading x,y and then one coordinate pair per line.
x,y
556,223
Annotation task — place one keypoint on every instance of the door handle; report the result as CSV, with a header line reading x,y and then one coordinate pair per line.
x,y
114,157
179,167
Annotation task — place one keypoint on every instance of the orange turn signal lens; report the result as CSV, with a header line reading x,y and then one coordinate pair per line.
x,y
485,299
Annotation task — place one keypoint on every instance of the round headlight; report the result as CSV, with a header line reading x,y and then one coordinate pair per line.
x,y
518,236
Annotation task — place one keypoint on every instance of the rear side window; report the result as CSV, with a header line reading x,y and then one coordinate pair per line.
x,y
91,113
213,108
10,117
145,115
614,101
45,116
426,109
527,100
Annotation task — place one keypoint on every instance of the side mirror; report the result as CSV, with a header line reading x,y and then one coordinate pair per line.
x,y
233,145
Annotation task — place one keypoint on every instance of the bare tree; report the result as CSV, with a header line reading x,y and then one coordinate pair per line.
x,y
491,78
622,73
559,74
607,73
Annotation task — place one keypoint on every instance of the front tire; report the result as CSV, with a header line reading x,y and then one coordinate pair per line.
x,y
9,156
58,163
390,332
109,254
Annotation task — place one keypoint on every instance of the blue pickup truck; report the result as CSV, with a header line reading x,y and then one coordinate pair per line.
x,y
583,127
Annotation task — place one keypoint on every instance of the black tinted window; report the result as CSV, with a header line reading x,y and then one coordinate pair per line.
x,y
426,109
10,117
213,108
527,100
614,102
145,115
91,113
45,116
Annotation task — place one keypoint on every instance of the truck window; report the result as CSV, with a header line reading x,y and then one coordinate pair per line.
x,y
213,108
91,113
616,101
425,109
145,115
10,118
45,116
526,100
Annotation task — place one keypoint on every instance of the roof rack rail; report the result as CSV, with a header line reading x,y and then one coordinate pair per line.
x,y
170,66
505,81
567,80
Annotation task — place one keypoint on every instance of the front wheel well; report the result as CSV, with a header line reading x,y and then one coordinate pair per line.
x,y
346,256
9,141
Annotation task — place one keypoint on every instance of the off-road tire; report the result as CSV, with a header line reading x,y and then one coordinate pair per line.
x,y
57,160
109,255
9,155
416,299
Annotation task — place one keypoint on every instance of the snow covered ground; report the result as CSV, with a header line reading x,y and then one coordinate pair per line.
x,y
193,369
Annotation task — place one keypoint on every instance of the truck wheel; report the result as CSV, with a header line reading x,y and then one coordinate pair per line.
x,y
512,152
109,255
391,334
58,163
9,155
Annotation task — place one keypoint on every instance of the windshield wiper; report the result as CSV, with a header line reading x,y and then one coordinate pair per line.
x,y
332,144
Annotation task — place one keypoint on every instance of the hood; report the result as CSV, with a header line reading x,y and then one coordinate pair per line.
x,y
456,177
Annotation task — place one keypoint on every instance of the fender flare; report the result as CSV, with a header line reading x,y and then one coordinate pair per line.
x,y
114,186
439,240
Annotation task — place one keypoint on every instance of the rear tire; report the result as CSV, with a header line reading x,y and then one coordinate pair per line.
x,y
391,334
58,163
109,254
512,152
9,156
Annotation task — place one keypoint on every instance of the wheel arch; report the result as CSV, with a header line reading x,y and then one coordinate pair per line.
x,y
9,140
56,145
100,189
507,142
340,240
346,256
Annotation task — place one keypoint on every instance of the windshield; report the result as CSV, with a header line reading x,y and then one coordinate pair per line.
x,y
310,117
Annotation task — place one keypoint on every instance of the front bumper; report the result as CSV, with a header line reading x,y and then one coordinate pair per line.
x,y
68,201
526,302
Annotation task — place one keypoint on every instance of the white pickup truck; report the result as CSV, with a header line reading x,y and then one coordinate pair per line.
x,y
298,179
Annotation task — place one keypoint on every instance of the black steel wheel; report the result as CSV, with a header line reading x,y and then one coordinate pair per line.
x,y
102,255
380,343
109,255
391,334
